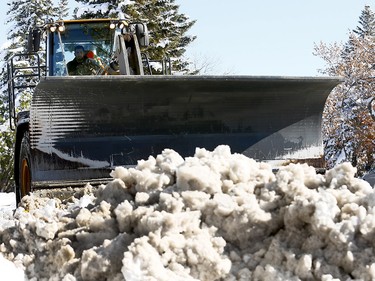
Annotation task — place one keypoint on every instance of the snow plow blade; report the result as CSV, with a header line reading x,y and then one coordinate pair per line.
x,y
81,127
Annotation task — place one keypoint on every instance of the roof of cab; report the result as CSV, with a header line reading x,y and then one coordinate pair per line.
x,y
86,20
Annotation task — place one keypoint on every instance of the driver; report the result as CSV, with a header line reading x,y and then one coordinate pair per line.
x,y
83,63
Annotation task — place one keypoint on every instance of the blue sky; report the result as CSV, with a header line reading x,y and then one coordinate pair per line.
x,y
268,37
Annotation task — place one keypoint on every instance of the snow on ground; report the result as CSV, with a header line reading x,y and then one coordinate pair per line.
x,y
7,201
214,216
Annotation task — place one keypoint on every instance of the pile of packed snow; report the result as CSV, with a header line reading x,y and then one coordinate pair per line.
x,y
214,216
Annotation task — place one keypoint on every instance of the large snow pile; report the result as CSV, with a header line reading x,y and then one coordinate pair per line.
x,y
214,216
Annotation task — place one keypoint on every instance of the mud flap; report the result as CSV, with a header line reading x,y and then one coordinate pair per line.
x,y
83,126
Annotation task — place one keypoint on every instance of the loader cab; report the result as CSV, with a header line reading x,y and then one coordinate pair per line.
x,y
99,38
95,36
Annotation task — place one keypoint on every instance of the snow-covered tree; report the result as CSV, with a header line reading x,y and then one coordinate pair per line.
x,y
366,25
168,30
366,28
167,27
21,16
348,126
63,9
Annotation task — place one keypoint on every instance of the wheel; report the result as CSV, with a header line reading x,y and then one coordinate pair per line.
x,y
24,176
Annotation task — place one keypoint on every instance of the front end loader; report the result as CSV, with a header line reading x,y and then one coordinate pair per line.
x,y
80,127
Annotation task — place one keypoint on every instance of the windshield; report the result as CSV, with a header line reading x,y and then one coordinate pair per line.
x,y
96,37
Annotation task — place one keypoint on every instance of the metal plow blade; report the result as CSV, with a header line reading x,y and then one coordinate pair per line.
x,y
82,126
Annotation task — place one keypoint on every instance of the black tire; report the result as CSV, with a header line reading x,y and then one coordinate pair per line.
x,y
24,169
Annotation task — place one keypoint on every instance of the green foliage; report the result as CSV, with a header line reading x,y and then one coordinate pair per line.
x,y
6,160
6,151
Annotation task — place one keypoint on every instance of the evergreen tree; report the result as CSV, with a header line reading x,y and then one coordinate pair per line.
x,y
348,125
366,28
167,27
62,9
366,23
22,15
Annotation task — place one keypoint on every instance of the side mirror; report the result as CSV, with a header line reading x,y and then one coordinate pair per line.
x,y
33,40
142,34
